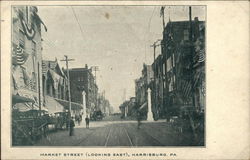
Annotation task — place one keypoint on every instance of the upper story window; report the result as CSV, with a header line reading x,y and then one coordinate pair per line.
x,y
186,35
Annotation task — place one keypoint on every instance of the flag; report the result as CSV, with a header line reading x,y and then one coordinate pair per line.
x,y
44,68
28,30
162,11
19,57
202,55
26,77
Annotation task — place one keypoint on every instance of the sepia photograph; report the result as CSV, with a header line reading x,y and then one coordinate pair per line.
x,y
108,76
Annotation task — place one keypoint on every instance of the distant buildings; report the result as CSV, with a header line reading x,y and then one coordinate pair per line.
x,y
104,104
128,108
141,86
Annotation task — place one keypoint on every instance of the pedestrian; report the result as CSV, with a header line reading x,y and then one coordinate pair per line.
x,y
138,116
80,119
71,126
87,122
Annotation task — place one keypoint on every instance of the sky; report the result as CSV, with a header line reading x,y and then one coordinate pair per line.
x,y
117,39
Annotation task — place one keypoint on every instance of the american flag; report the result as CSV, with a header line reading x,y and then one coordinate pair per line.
x,y
186,89
202,55
19,57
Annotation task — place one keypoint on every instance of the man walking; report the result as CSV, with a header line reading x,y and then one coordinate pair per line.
x,y
71,127
138,119
87,122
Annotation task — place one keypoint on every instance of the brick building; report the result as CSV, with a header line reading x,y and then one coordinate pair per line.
x,y
83,79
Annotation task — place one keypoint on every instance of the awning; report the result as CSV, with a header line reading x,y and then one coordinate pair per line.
x,y
52,105
21,99
74,106
22,107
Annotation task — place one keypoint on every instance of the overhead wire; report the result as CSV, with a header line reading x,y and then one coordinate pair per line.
x,y
77,21
149,23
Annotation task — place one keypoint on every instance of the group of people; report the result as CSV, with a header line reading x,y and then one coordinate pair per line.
x,y
87,120
72,124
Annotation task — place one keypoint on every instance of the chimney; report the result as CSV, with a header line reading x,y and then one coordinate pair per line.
x,y
86,66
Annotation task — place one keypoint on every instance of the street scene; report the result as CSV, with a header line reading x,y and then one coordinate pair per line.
x,y
108,76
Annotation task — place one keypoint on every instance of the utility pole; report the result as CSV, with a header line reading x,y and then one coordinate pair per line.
x,y
191,70
95,68
67,67
154,45
191,55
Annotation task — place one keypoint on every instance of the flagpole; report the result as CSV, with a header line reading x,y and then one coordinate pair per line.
x,y
162,14
163,18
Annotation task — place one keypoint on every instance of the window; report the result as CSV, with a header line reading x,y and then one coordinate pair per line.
x,y
169,64
186,35
163,68
21,39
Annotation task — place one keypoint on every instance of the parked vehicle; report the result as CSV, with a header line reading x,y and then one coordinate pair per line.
x,y
97,115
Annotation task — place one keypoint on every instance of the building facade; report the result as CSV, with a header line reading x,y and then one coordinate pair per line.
x,y
104,104
27,57
83,79
179,56
141,86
